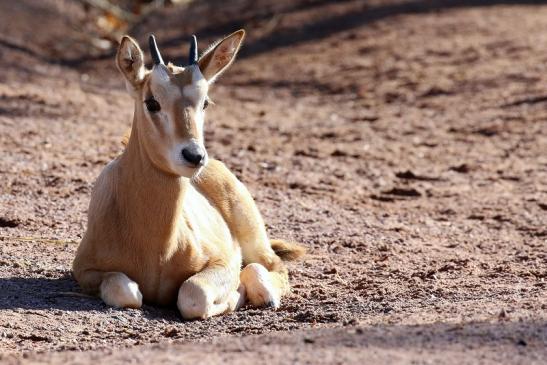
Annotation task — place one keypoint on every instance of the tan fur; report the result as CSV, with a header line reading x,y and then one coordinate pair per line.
x,y
287,251
154,234
125,137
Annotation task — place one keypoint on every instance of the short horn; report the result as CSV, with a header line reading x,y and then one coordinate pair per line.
x,y
193,54
154,51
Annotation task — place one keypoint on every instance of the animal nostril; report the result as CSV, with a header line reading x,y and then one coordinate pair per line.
x,y
193,154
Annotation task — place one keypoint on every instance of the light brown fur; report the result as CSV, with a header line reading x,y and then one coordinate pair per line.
x,y
154,234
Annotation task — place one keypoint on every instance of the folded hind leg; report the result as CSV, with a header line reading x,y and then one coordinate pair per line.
x,y
237,207
265,285
265,277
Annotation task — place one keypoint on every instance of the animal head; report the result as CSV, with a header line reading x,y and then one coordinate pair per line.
x,y
170,101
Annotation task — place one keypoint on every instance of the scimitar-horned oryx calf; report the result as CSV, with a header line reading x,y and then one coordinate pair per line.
x,y
166,223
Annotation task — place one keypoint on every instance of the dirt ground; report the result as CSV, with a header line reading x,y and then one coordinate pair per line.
x,y
404,143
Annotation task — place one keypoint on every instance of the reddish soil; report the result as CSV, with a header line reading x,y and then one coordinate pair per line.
x,y
403,142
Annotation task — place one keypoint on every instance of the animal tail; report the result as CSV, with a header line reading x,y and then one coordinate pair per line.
x,y
288,251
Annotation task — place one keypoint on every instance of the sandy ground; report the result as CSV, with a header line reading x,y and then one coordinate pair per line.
x,y
404,143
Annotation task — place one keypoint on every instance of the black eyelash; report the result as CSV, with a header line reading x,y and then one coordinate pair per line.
x,y
152,105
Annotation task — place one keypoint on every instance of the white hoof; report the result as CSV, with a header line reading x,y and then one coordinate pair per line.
x,y
258,284
118,290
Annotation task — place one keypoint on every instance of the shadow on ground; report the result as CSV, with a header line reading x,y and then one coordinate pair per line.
x,y
437,342
61,293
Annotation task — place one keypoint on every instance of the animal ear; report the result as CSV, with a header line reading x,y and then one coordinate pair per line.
x,y
220,55
130,61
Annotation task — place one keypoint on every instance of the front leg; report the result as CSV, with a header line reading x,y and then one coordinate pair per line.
x,y
211,292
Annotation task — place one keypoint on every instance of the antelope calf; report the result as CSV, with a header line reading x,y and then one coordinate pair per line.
x,y
166,223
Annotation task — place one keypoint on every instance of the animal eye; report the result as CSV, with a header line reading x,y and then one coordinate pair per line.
x,y
152,105
205,104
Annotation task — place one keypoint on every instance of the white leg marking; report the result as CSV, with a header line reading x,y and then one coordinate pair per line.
x,y
194,301
259,286
118,290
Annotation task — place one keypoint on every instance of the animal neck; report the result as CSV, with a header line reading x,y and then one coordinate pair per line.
x,y
152,199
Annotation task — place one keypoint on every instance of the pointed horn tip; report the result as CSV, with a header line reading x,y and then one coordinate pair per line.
x,y
193,55
152,41
154,51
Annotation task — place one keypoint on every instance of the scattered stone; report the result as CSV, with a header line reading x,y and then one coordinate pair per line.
x,y
406,192
170,332
463,168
